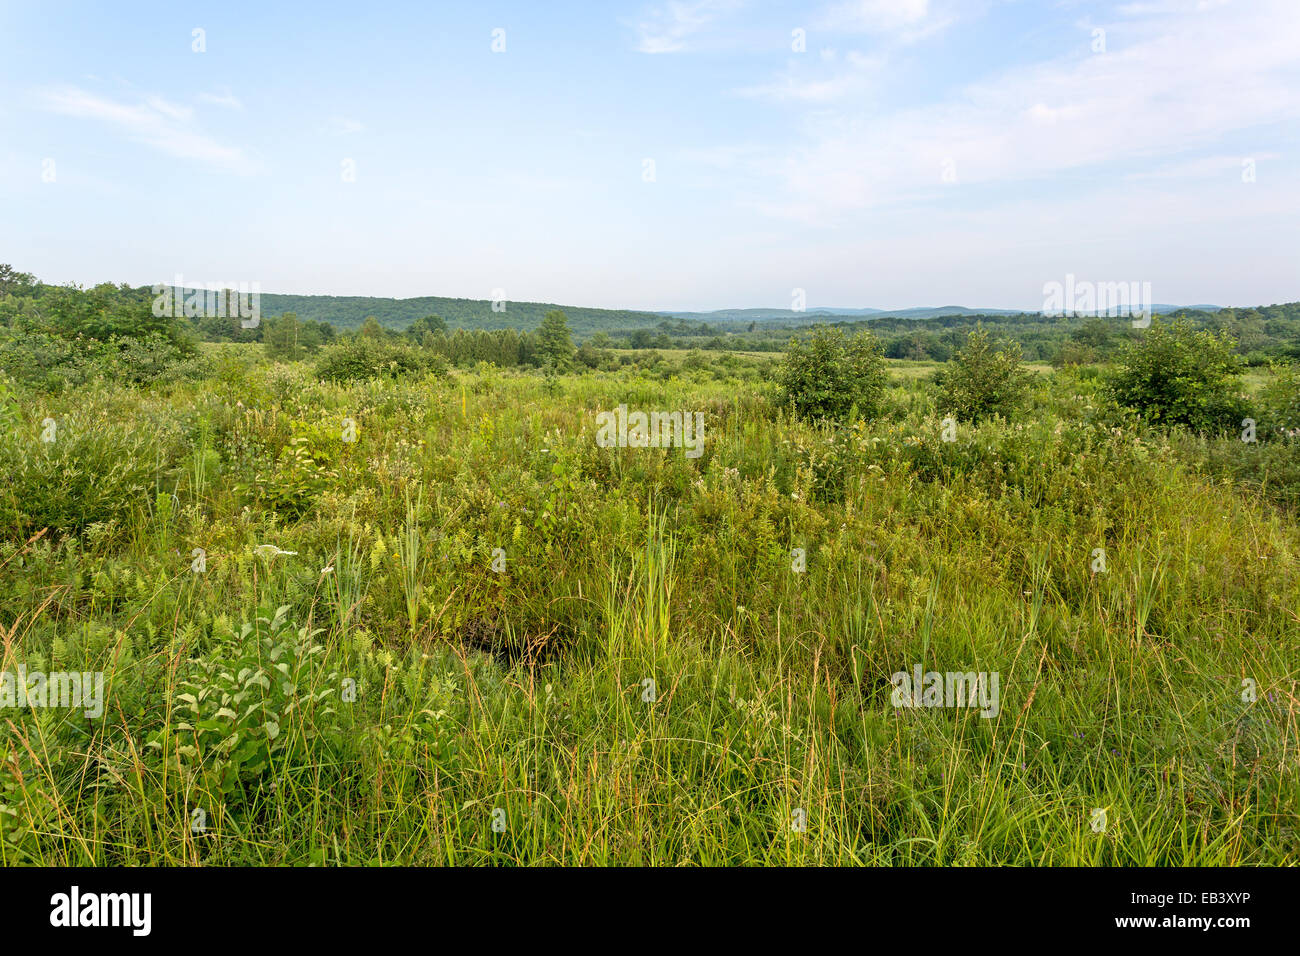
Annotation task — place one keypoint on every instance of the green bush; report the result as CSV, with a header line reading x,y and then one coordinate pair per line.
x,y
1279,403
89,472
108,312
254,706
830,376
983,378
155,358
1270,469
361,358
52,362
48,362
1176,375
295,482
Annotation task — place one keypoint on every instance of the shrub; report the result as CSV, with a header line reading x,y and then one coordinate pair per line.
x,y
1270,469
88,473
1175,375
830,376
983,378
155,358
254,706
1279,403
295,482
52,362
46,361
108,312
360,358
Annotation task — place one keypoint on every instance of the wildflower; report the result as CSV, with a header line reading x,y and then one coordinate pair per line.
x,y
271,551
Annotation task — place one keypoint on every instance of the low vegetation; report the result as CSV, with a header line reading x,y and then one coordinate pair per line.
x,y
377,605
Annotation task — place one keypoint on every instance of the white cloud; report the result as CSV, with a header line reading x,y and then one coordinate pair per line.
x,y
720,157
893,25
823,80
155,122
224,99
1224,169
901,21
1172,84
876,16
342,126
170,110
667,28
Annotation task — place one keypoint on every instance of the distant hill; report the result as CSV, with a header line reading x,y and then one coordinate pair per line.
x,y
789,316
349,312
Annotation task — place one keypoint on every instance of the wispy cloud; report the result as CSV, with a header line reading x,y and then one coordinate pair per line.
x,y
342,126
898,21
1180,78
668,28
224,99
1223,169
876,16
823,80
885,27
155,122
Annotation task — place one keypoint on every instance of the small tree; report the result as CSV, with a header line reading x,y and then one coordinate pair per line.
x,y
283,338
554,341
1177,375
829,375
983,378
108,312
426,323
13,282
372,330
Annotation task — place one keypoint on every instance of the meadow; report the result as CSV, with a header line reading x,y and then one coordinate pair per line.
x,y
427,619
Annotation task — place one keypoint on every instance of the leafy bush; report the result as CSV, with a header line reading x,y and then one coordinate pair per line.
x,y
360,358
258,702
108,312
48,362
154,358
295,482
1269,468
89,472
1279,403
983,378
53,362
1176,375
830,376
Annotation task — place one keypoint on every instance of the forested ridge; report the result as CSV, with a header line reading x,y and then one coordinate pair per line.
x,y
1263,333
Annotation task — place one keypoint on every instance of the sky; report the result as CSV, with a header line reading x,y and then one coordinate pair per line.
x,y
687,155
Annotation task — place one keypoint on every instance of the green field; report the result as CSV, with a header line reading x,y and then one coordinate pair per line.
x,y
474,635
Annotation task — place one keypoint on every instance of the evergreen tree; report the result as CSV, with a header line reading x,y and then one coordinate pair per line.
x,y
554,342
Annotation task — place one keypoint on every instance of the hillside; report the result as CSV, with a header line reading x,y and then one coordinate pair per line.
x,y
349,312
810,316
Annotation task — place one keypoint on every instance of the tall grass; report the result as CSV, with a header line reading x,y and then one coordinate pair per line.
x,y
650,680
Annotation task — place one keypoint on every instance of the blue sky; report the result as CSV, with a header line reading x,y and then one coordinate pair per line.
x,y
915,152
